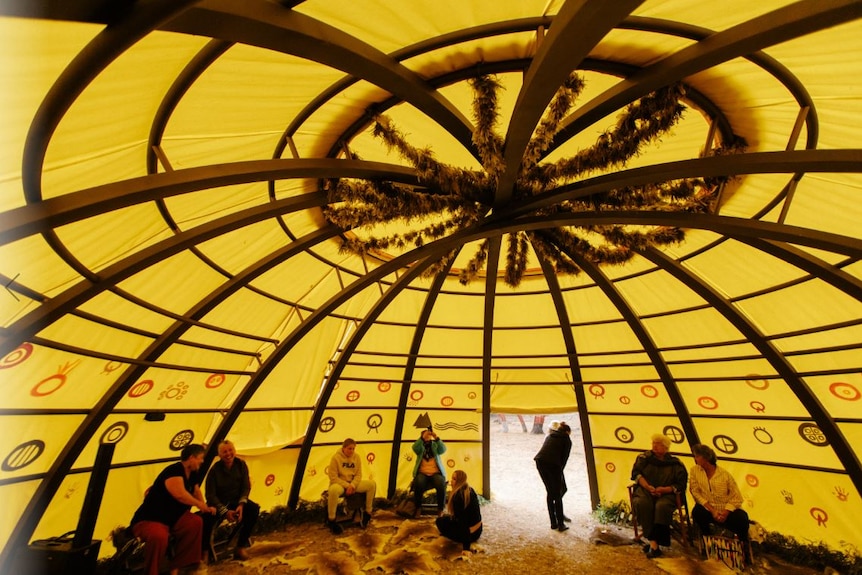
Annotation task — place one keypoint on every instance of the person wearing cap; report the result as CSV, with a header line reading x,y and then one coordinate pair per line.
x,y
550,463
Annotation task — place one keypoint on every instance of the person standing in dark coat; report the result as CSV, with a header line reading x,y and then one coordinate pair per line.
x,y
550,462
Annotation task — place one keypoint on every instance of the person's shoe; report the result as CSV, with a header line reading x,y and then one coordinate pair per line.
x,y
653,553
567,519
562,527
334,527
646,547
554,526
365,520
240,554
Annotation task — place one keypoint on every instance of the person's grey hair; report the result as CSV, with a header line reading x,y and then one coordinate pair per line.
x,y
704,451
661,438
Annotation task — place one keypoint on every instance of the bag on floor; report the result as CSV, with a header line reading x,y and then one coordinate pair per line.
x,y
406,508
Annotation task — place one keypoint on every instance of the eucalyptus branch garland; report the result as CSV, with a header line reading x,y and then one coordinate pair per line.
x,y
455,198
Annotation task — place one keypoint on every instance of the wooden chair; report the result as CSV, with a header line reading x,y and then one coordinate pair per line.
x,y
683,521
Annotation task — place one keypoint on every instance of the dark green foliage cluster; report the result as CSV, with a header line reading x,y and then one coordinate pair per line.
x,y
817,556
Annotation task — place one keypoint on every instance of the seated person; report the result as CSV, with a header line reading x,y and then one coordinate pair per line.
x,y
227,488
659,477
345,478
428,471
166,511
717,498
462,522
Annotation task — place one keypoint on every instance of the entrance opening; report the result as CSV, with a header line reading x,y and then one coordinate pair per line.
x,y
515,483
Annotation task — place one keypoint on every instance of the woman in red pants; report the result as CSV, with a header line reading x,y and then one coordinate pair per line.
x,y
166,511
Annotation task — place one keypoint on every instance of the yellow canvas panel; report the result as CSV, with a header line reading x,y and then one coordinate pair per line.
x,y
39,377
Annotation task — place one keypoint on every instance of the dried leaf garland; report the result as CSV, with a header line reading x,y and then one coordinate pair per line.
x,y
456,198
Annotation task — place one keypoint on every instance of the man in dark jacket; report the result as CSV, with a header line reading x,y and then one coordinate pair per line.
x,y
227,488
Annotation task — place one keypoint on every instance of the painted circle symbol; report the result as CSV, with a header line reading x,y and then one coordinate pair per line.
x,y
48,385
624,434
370,457
752,480
270,479
374,421
446,401
352,395
707,402
214,380
845,391
181,439
649,391
757,406
327,424
725,444
813,435
625,399
763,436
472,395
384,386
596,390
115,433
674,433
416,394
141,388
450,463
610,466
23,455
757,382
16,356
819,515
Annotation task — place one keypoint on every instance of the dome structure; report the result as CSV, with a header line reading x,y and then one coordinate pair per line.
x,y
287,223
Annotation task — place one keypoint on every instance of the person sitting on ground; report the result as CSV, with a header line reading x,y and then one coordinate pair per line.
x,y
462,522
717,498
345,478
227,489
550,462
428,471
165,512
659,476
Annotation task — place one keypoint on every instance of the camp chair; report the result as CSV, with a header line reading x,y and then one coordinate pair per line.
x,y
348,506
221,536
682,523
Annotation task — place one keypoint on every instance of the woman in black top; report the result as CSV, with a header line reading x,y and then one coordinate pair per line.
x,y
550,461
463,521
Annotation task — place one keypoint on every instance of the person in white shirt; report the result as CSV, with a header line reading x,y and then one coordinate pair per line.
x,y
717,498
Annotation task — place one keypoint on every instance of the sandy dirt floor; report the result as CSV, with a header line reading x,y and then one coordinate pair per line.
x,y
517,538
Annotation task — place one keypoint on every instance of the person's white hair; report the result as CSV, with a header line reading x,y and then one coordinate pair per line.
x,y
554,425
661,438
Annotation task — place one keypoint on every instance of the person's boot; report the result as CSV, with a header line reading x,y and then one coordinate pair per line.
x,y
334,527
553,515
